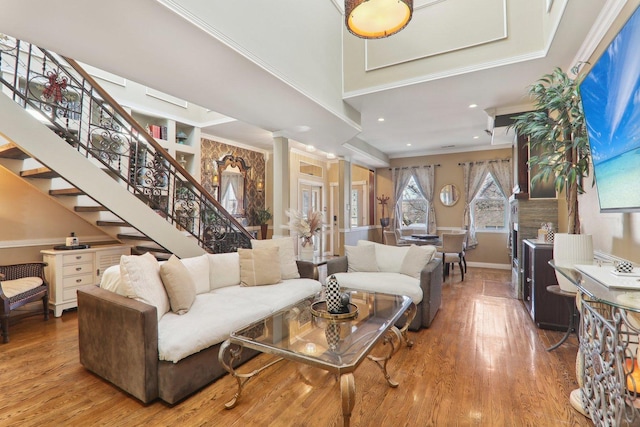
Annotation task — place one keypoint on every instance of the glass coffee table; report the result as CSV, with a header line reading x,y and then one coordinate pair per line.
x,y
306,333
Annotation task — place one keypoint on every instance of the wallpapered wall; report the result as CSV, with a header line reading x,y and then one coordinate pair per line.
x,y
213,150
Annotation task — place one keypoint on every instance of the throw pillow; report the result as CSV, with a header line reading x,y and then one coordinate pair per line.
x,y
388,258
141,281
416,258
179,285
259,266
288,266
224,270
198,268
361,258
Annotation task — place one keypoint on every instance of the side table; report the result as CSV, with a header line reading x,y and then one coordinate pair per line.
x,y
570,298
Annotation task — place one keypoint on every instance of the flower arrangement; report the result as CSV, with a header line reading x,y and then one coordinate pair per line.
x,y
305,227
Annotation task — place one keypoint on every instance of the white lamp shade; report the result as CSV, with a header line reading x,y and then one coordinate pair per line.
x,y
569,250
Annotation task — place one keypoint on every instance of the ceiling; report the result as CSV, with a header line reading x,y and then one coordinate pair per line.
x,y
155,46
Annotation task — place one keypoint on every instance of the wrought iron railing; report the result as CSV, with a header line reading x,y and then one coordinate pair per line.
x,y
62,94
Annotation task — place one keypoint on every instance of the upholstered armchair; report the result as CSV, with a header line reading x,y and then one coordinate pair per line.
x,y
21,284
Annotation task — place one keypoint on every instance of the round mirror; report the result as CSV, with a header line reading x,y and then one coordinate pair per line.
x,y
449,195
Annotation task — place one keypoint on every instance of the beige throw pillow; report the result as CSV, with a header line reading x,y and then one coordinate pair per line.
x,y
288,266
361,258
179,284
259,266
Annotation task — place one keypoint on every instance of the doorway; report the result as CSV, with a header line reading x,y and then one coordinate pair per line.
x,y
311,200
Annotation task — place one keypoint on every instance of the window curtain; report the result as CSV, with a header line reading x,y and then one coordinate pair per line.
x,y
502,174
425,179
400,178
473,176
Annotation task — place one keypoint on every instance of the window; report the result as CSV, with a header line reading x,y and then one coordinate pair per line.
x,y
489,207
414,207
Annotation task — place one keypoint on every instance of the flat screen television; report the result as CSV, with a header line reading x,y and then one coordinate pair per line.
x,y
611,100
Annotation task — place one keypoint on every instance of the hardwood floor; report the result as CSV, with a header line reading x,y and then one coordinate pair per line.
x,y
482,363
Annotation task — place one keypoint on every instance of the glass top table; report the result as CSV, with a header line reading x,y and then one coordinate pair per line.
x,y
305,333
626,299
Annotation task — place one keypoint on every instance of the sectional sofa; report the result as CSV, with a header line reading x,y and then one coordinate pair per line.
x,y
413,270
148,333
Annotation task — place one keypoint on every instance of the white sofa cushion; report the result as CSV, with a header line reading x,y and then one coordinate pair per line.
x,y
388,283
416,258
111,280
388,258
11,288
198,268
275,296
224,270
141,281
210,321
288,266
361,258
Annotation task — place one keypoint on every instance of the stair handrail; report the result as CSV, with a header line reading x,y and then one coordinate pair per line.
x,y
213,220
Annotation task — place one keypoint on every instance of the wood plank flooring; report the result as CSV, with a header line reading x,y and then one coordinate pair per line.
x,y
482,363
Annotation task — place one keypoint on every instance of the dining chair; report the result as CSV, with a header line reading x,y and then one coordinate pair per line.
x,y
452,250
390,239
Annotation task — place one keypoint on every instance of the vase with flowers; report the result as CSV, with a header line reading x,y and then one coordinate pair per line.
x,y
306,228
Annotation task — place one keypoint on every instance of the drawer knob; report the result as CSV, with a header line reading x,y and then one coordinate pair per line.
x,y
78,280
79,257
78,268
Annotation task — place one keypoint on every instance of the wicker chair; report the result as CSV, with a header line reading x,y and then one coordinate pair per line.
x,y
21,284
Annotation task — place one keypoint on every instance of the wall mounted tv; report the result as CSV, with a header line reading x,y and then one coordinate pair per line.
x,y
611,100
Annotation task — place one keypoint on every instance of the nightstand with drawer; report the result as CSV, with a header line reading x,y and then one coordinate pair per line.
x,y
67,270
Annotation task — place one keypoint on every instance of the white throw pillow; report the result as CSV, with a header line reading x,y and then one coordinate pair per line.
x,y
141,281
388,258
198,268
288,266
416,258
361,258
224,270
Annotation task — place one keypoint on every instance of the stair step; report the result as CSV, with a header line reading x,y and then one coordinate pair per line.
x,y
66,192
133,237
90,209
12,151
112,224
154,249
41,173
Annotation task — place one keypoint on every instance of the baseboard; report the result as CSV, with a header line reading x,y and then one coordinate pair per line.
x,y
489,265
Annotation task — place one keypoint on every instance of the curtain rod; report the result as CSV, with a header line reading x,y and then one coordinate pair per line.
x,y
487,161
407,167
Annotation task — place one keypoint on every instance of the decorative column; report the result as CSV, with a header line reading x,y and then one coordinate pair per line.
x,y
281,185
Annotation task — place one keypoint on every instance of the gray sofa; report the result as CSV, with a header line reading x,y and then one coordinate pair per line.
x,y
121,338
430,284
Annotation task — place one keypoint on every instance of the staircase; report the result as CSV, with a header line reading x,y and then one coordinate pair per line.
x,y
73,142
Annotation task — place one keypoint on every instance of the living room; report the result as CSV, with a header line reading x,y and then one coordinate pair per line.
x,y
27,235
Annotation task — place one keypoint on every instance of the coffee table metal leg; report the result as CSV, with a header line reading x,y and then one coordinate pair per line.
x,y
348,394
232,352
410,314
392,335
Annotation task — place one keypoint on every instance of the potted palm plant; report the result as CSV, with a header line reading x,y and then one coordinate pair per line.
x,y
557,130
263,216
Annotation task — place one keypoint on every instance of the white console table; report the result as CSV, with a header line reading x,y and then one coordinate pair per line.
x,y
607,360
67,270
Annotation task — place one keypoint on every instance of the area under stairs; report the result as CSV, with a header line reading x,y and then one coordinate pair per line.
x,y
54,167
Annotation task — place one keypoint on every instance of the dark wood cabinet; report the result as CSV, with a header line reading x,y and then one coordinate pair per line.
x,y
547,310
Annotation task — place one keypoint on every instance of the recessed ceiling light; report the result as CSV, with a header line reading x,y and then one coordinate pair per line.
x,y
409,144
381,119
473,105
331,156
476,137
311,148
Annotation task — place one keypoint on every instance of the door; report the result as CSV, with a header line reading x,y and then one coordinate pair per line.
x,y
311,200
